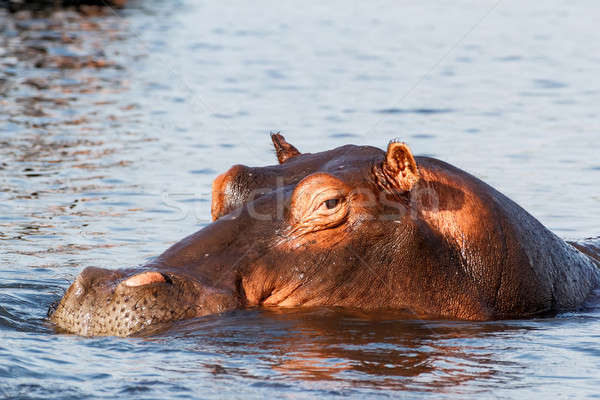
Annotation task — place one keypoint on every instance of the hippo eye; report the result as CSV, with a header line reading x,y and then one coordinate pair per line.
x,y
331,203
319,202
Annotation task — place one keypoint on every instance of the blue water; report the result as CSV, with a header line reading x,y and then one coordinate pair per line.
x,y
114,123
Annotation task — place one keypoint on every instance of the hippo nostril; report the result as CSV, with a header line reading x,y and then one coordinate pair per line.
x,y
146,278
91,276
167,278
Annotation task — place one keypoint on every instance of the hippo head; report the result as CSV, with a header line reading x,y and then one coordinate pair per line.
x,y
351,227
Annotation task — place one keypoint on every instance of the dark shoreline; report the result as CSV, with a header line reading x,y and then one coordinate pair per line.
x,y
47,5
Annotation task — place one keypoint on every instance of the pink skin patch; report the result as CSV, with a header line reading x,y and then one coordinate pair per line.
x,y
144,278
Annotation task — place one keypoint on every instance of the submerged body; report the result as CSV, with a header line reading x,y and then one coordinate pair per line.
x,y
352,227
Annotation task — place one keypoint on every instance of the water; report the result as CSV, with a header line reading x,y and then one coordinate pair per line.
x,y
114,124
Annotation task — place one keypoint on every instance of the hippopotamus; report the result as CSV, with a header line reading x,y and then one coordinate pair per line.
x,y
354,227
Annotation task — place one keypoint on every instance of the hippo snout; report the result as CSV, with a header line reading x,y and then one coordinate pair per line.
x,y
92,277
108,302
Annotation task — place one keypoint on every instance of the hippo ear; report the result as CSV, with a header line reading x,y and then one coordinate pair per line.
x,y
284,150
400,166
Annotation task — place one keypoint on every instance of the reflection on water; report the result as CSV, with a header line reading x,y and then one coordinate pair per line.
x,y
342,352
114,123
371,351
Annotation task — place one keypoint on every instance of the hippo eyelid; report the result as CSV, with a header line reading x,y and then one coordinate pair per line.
x,y
326,209
328,195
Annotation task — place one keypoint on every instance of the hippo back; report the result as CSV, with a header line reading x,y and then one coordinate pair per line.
x,y
522,267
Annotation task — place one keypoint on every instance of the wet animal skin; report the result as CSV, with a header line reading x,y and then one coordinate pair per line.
x,y
354,227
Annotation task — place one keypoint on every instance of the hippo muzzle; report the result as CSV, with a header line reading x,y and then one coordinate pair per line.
x,y
352,227
107,302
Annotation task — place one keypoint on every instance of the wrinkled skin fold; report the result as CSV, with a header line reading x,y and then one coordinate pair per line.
x,y
353,227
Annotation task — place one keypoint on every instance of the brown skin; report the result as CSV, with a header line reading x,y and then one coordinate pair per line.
x,y
352,227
